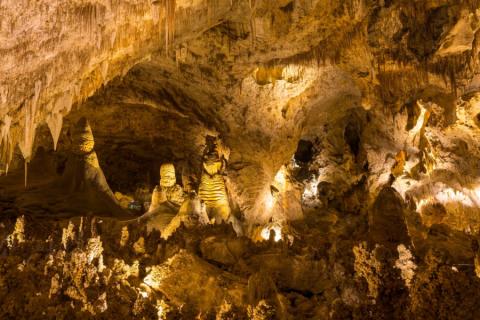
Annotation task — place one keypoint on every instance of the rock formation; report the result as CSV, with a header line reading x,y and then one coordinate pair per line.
x,y
168,190
83,178
318,159
167,197
212,189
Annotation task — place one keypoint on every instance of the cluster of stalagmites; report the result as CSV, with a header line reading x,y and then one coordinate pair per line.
x,y
172,205
100,267
91,267
82,188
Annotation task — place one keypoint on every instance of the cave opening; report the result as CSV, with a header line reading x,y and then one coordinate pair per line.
x,y
352,137
304,152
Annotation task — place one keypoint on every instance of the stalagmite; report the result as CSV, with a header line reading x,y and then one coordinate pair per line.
x,y
168,190
212,189
84,179
17,236
167,198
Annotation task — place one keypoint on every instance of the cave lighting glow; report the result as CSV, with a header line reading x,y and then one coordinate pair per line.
x,y
150,281
467,197
421,119
276,228
269,201
280,180
476,191
160,312
449,195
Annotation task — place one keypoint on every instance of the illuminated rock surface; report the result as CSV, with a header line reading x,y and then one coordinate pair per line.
x,y
346,154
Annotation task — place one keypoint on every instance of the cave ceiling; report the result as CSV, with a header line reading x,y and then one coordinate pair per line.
x,y
261,74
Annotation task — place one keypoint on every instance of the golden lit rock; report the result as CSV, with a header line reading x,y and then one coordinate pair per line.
x,y
82,138
194,159
168,190
212,189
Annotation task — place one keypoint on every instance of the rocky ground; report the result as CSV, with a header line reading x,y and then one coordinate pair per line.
x,y
326,267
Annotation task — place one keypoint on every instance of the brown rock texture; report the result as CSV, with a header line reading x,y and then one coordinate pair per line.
x,y
346,157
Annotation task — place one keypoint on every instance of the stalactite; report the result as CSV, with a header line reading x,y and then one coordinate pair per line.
x,y
26,146
5,129
113,38
155,12
3,95
169,8
76,91
89,14
55,123
5,144
253,30
210,11
453,80
8,155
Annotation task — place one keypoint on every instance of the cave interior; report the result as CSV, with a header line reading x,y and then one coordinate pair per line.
x,y
240,159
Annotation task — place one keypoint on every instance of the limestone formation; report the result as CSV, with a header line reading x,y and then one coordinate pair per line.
x,y
327,158
387,220
83,178
212,190
168,190
166,205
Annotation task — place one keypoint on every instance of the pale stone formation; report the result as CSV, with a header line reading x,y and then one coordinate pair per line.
x,y
168,190
168,199
212,190
406,264
124,236
68,234
18,234
476,262
83,159
139,246
190,213
83,179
